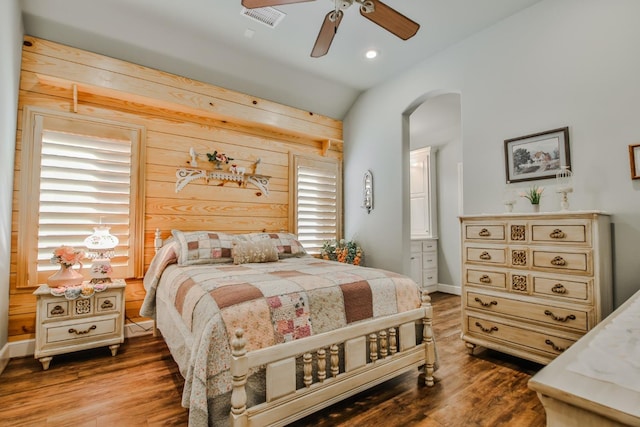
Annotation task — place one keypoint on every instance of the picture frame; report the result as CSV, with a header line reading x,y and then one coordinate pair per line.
x,y
537,156
634,160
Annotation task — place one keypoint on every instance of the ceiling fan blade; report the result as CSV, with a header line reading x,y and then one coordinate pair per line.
x,y
326,34
391,20
252,4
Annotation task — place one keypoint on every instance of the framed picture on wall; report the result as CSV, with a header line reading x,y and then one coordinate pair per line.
x,y
537,156
634,159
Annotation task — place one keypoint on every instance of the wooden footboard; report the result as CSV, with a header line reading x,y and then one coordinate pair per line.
x,y
373,352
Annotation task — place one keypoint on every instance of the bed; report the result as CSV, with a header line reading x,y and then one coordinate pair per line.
x,y
265,334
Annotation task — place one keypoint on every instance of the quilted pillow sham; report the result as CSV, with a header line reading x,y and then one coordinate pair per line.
x,y
261,251
203,247
287,244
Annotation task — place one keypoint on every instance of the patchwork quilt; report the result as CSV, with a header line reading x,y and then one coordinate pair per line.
x,y
273,302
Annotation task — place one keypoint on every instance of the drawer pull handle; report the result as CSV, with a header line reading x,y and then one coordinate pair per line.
x,y
106,304
557,234
559,261
485,279
57,310
553,346
485,256
75,331
485,304
484,233
558,318
559,289
487,330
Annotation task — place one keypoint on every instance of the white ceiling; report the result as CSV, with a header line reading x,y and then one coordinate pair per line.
x,y
205,40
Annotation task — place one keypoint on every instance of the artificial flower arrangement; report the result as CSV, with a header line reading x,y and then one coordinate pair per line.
x,y
534,194
342,251
218,158
66,256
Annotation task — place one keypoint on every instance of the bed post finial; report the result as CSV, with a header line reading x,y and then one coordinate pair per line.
x,y
157,243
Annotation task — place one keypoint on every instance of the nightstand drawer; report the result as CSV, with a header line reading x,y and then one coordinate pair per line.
x,y
74,331
56,309
106,303
568,318
486,255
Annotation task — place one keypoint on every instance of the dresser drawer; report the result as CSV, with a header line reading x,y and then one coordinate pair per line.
x,y
78,331
487,278
569,318
487,255
514,334
561,288
493,232
560,233
574,262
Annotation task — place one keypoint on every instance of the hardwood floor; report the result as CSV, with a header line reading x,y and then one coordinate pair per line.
x,y
141,386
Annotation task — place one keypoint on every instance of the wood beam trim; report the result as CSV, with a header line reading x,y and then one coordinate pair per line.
x,y
52,49
60,72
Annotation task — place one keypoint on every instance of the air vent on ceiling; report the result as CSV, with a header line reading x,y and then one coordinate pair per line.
x,y
265,15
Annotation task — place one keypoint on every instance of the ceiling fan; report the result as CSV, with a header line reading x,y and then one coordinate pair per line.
x,y
374,10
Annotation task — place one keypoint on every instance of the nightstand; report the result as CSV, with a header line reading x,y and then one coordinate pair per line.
x,y
65,325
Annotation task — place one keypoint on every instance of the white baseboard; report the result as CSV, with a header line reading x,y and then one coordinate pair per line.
x,y
4,357
26,348
449,289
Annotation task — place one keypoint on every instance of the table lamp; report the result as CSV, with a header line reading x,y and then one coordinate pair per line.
x,y
101,247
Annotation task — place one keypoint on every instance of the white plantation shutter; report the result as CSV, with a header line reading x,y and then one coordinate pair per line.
x,y
317,201
85,173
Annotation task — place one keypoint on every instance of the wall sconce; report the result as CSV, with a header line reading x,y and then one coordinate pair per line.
x,y
101,247
367,191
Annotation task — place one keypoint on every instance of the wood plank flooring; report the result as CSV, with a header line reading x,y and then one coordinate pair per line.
x,y
142,386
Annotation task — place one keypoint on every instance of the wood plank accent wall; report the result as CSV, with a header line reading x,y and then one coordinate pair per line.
x,y
178,113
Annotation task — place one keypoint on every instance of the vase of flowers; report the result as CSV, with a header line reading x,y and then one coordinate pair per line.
x,y
534,194
342,251
66,257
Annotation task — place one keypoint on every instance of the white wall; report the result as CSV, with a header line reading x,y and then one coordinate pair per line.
x,y
559,63
11,48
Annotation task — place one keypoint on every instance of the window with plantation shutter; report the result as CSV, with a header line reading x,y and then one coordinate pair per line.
x,y
316,201
80,173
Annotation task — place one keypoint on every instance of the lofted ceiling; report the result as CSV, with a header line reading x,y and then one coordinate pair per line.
x,y
211,41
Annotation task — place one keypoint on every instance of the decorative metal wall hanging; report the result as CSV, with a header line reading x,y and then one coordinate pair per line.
x,y
234,173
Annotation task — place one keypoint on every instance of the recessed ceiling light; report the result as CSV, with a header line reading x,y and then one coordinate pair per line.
x,y
371,54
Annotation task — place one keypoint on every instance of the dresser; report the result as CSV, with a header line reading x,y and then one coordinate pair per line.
x,y
533,284
596,382
424,263
73,323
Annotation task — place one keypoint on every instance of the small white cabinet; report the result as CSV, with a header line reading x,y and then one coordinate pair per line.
x,y
424,263
66,325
